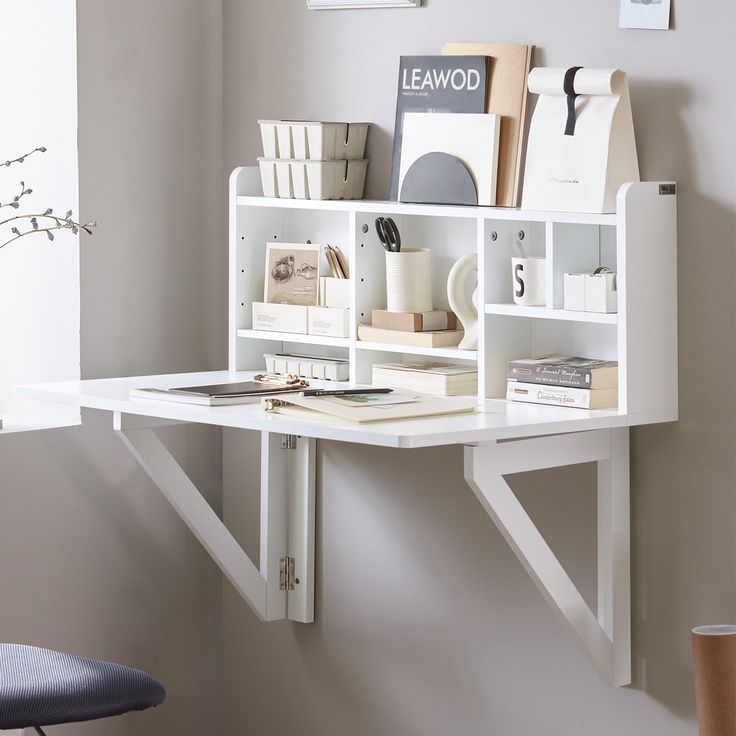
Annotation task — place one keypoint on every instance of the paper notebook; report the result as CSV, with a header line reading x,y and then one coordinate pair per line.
x,y
422,406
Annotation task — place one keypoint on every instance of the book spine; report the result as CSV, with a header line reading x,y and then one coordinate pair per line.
x,y
552,395
551,375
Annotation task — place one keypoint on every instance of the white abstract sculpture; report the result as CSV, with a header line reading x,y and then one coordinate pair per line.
x,y
457,294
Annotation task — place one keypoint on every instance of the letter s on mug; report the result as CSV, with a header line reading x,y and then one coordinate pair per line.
x,y
518,280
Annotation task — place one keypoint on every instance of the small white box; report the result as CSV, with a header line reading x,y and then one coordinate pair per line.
x,y
575,291
601,293
329,322
280,317
334,293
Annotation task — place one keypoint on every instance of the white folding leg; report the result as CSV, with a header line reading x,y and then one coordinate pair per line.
x,y
605,638
283,587
287,525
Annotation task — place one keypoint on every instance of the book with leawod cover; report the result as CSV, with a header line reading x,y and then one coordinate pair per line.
x,y
369,408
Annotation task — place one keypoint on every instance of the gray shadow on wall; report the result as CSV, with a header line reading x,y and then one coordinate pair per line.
x,y
682,474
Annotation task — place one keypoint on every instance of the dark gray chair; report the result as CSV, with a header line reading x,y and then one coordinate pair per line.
x,y
40,687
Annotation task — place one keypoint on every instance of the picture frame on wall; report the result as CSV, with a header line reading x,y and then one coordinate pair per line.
x,y
646,14
347,4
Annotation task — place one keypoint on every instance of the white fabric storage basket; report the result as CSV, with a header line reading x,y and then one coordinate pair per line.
x,y
313,179
313,141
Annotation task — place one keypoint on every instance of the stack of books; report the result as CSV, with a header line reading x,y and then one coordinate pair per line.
x,y
429,377
564,380
436,329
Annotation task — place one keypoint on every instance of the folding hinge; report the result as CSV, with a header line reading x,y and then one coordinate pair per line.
x,y
288,441
287,573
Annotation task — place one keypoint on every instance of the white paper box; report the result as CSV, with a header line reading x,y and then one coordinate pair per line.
x,y
280,317
334,293
329,322
574,285
320,368
601,294
314,141
313,179
581,172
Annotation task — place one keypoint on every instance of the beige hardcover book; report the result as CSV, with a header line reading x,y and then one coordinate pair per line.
x,y
438,339
414,321
507,97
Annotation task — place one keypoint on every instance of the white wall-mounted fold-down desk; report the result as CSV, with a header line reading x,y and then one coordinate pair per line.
x,y
501,439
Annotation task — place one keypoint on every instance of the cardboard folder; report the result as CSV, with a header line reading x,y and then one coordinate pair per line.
x,y
507,96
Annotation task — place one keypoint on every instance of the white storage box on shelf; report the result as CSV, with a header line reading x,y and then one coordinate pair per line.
x,y
313,141
280,318
329,322
313,179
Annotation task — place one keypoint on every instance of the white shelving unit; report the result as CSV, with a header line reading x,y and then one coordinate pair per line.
x,y
639,242
501,438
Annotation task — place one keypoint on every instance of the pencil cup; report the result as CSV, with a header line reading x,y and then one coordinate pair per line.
x,y
714,666
409,280
529,281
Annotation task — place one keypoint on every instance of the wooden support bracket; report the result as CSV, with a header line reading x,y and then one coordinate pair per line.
x,y
282,587
605,637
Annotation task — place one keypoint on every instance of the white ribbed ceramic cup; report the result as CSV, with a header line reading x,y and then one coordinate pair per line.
x,y
409,280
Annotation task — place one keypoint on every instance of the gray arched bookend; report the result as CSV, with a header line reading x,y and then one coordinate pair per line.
x,y
439,178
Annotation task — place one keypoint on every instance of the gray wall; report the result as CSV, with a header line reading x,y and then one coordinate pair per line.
x,y
426,623
94,561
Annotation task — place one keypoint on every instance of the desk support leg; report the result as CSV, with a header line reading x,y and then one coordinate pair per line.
x,y
605,638
283,587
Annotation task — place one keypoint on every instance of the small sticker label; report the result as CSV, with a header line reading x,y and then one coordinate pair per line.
x,y
667,189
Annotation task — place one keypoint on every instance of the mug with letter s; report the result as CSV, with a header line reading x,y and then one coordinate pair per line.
x,y
529,281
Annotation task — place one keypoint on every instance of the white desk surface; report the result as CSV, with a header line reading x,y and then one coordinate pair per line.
x,y
497,421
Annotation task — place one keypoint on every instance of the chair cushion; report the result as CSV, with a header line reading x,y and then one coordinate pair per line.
x,y
40,687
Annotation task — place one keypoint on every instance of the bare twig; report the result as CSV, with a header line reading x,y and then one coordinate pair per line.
x,y
21,159
15,204
48,218
59,223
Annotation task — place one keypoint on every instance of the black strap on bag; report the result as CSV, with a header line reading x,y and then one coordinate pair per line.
x,y
569,89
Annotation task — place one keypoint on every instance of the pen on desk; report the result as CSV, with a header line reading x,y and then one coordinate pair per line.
x,y
345,392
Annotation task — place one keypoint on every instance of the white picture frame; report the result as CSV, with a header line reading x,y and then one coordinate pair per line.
x,y
347,4
646,14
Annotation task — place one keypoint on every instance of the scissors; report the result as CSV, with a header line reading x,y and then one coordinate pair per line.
x,y
388,234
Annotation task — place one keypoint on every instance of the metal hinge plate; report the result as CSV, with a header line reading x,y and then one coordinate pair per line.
x,y
288,441
287,573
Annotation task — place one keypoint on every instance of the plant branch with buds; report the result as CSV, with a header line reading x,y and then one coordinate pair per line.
x,y
33,224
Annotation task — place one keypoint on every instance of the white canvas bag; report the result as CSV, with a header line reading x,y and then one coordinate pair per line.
x,y
581,143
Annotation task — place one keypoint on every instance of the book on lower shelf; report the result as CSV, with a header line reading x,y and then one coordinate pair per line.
x,y
430,377
565,370
432,339
578,398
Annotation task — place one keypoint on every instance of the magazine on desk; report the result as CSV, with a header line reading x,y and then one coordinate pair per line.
x,y
222,394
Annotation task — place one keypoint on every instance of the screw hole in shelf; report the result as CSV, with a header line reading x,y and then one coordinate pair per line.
x,y
296,581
